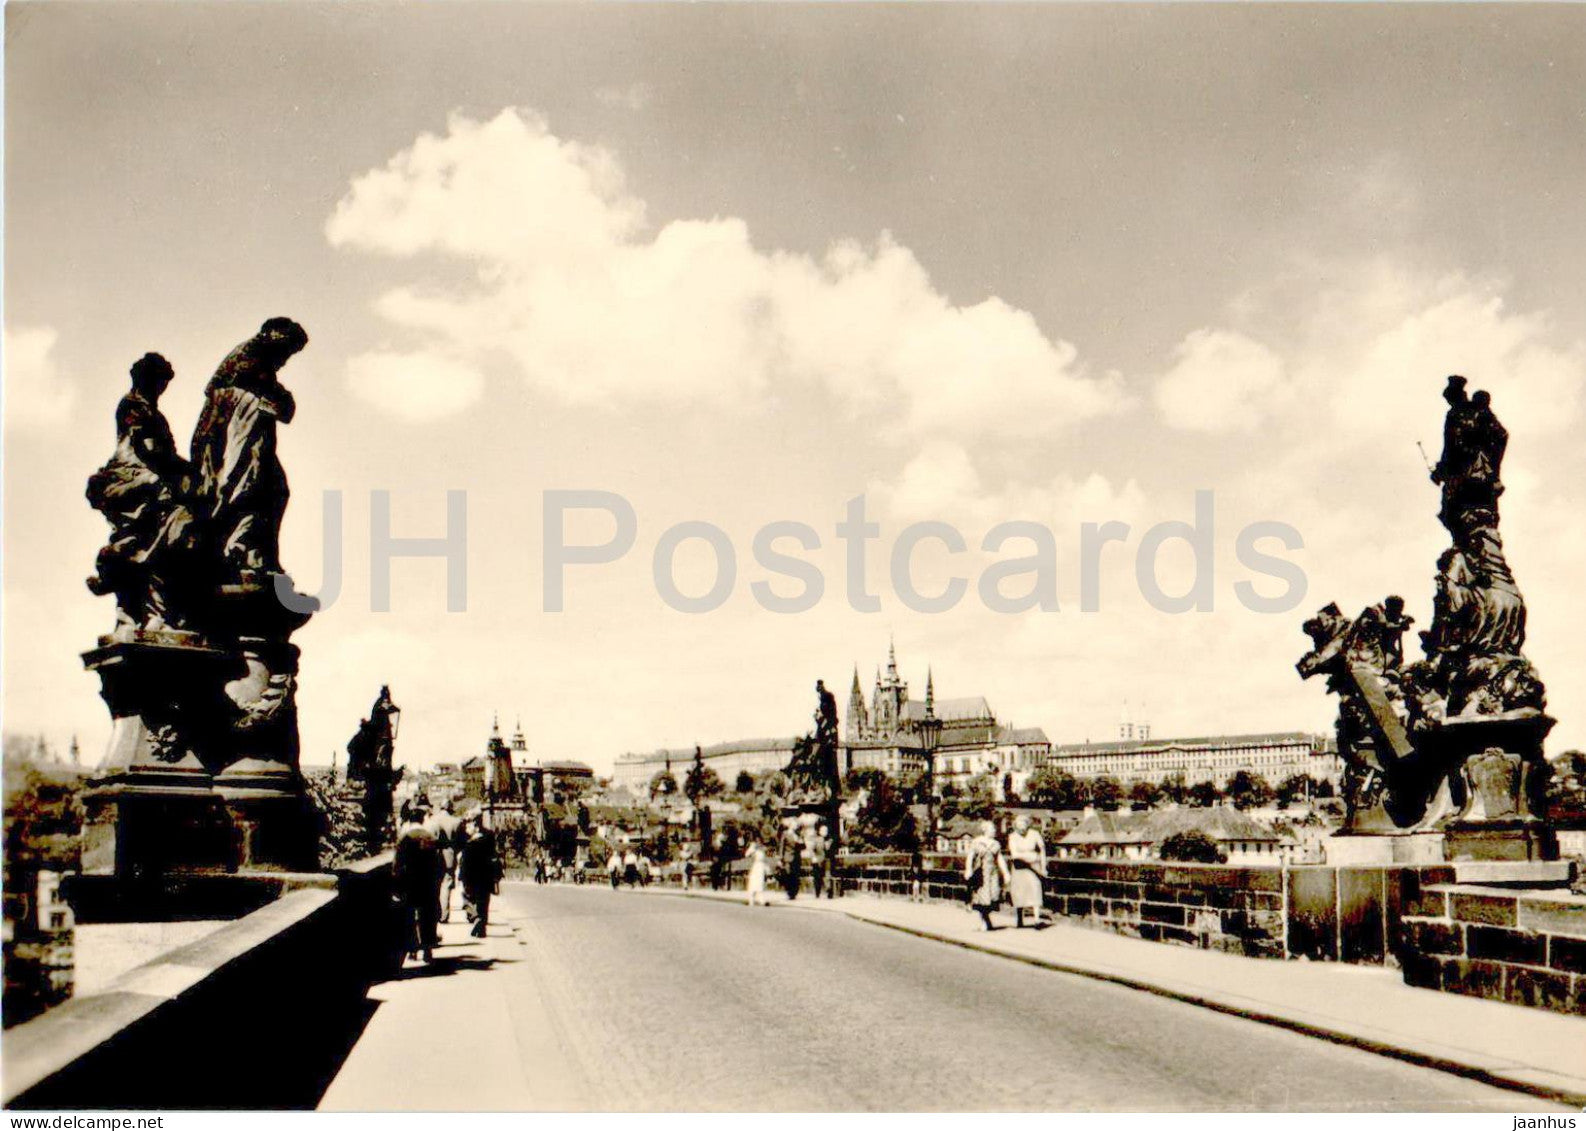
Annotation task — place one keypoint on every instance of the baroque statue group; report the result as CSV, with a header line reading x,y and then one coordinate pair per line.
x,y
1445,752
199,672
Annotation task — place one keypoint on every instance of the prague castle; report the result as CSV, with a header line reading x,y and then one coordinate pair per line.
x,y
889,734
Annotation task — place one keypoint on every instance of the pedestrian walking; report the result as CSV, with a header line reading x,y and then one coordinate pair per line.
x,y
792,866
757,877
688,869
986,871
718,864
416,877
1027,853
630,868
644,870
614,867
479,868
448,830
916,872
818,849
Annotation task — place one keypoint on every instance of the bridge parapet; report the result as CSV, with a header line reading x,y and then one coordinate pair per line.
x,y
256,1014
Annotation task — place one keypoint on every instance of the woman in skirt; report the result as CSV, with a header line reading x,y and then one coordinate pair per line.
x,y
986,871
1027,851
757,870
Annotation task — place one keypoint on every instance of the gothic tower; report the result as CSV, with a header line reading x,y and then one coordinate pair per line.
x,y
858,721
886,716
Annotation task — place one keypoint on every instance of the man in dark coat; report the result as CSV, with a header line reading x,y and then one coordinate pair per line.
x,y
817,848
416,872
479,869
792,865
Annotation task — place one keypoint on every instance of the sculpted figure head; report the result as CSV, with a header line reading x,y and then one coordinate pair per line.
x,y
280,338
151,373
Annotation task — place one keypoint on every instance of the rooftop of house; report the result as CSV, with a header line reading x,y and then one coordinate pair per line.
x,y
682,756
1222,823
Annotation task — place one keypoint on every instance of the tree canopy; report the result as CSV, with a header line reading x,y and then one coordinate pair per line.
x,y
1249,790
1106,792
1144,794
1192,845
663,784
1053,788
702,782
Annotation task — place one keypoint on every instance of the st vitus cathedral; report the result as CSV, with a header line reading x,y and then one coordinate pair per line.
x,y
888,734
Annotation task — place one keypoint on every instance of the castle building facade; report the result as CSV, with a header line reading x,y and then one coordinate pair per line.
x,y
728,759
1214,758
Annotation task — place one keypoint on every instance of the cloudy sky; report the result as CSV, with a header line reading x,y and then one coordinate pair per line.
x,y
743,264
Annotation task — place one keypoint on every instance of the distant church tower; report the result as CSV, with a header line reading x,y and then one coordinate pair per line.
x,y
886,712
500,783
858,717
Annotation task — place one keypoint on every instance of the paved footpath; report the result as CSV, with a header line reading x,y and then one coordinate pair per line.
x,y
588,999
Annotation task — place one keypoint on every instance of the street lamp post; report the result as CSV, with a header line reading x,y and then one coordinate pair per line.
x,y
930,737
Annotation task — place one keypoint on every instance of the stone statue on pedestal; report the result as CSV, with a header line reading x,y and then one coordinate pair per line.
x,y
199,674
371,772
813,772
1452,742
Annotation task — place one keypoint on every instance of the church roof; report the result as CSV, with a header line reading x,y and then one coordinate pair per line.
x,y
969,708
1023,736
565,766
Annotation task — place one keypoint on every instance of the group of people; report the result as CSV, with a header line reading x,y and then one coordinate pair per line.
x,y
436,852
809,845
1016,873
628,866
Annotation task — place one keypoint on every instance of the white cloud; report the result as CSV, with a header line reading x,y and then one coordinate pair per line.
x,y
414,386
592,308
1367,344
1221,381
35,394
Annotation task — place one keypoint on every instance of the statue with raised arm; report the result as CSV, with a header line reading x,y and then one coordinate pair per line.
x,y
144,493
1363,661
241,486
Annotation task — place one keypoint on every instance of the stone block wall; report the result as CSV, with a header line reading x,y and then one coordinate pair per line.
x,y
1212,906
1320,912
879,873
1519,946
1351,913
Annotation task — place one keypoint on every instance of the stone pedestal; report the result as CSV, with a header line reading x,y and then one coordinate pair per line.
x,y
1500,785
1501,840
201,772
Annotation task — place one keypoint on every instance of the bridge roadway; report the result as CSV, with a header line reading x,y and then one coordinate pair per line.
x,y
588,999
